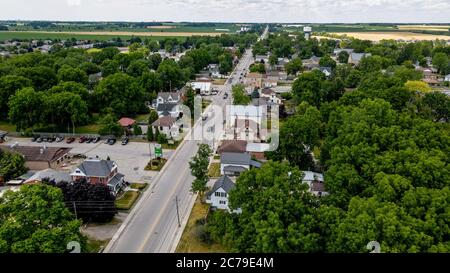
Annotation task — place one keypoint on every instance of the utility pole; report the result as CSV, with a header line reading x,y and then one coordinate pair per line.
x,y
75,210
178,213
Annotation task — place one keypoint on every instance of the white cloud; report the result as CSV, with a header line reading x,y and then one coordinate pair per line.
x,y
72,3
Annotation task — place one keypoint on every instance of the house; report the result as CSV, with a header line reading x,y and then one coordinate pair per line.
x,y
254,80
325,70
97,171
311,63
166,97
447,78
202,87
315,182
218,195
339,50
169,109
271,96
257,150
167,126
127,123
233,164
430,77
262,59
355,58
41,158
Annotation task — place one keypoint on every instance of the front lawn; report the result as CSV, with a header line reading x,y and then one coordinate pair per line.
x,y
193,238
6,126
214,170
138,186
88,129
126,201
155,164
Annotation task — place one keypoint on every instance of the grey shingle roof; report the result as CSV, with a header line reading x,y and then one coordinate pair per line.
x,y
234,169
163,107
235,158
223,182
115,180
96,168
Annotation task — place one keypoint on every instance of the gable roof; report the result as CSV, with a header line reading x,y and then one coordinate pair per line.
x,y
163,107
232,146
165,121
235,158
223,182
33,153
125,122
165,95
97,168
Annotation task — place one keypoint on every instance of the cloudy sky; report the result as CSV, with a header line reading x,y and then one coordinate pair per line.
x,y
399,11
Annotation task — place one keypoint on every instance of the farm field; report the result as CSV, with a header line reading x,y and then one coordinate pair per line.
x,y
377,36
103,36
425,27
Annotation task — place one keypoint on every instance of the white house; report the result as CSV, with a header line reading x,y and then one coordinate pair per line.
x,y
233,164
245,112
270,95
166,125
355,58
202,87
169,109
218,195
262,58
167,97
447,78
315,182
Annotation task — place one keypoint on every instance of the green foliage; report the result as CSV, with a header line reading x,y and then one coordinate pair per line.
x,y
137,131
35,220
12,165
8,87
343,57
239,95
327,61
258,68
69,74
110,126
294,66
441,62
199,168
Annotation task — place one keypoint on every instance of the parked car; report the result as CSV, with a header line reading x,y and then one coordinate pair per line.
x,y
225,96
59,139
112,141
39,140
89,140
96,139
82,139
51,139
70,140
34,138
125,140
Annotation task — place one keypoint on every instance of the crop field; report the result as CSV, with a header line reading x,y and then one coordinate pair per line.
x,y
425,27
377,36
100,36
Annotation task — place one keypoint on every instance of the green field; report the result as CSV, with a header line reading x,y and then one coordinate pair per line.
x,y
5,35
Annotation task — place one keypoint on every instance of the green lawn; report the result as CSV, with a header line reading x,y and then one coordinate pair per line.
x,y
138,186
142,118
6,126
126,201
94,246
189,242
155,165
214,170
88,129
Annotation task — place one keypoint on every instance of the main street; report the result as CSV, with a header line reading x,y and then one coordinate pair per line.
x,y
154,226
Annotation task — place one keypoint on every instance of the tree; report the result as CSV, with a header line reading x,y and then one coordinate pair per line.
x,y
438,104
110,126
137,131
70,74
138,68
150,135
154,61
343,57
441,62
199,168
258,68
327,61
171,75
273,60
42,77
152,117
190,100
26,108
8,87
90,202
417,86
225,63
35,220
12,165
64,108
110,67
239,95
294,66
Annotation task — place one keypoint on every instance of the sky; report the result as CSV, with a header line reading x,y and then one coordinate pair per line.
x,y
262,11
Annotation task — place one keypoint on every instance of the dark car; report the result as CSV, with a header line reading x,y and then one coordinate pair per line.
x,y
34,138
89,140
82,139
39,140
125,140
112,141
51,139
225,96
70,140
96,139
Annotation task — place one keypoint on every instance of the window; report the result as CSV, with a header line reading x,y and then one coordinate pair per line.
x,y
223,202
223,194
217,194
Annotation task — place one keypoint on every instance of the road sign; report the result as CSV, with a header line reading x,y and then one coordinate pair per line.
x,y
158,150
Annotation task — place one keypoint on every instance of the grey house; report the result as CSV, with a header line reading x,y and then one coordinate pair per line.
x,y
233,164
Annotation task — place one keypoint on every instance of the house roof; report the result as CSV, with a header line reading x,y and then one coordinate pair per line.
x,y
318,186
33,153
232,146
255,75
116,180
312,176
125,122
359,56
267,91
165,95
258,147
52,175
223,182
166,107
165,121
234,169
235,158
97,168
245,110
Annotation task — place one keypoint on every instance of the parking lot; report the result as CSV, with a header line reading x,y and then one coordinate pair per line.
x,y
131,158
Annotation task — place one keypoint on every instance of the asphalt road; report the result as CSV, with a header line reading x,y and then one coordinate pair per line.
x,y
154,226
